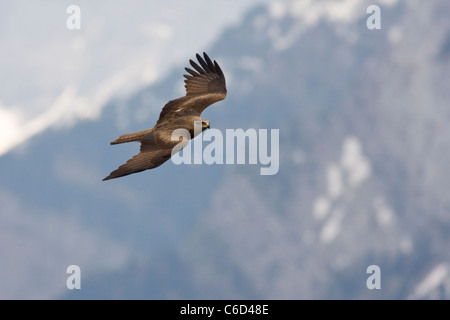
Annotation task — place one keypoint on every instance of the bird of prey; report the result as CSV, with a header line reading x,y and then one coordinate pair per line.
x,y
204,86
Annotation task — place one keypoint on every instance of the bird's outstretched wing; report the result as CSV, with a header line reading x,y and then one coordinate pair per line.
x,y
204,86
151,155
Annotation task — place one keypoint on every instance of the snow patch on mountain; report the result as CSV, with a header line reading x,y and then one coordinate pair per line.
x,y
304,14
436,279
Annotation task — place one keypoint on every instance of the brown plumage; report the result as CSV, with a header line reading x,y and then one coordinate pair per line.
x,y
204,86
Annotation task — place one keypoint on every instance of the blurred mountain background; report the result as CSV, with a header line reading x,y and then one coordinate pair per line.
x,y
364,150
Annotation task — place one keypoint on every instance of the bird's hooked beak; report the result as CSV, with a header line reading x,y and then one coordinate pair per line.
x,y
205,125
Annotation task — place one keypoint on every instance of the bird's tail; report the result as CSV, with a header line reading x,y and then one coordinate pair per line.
x,y
136,136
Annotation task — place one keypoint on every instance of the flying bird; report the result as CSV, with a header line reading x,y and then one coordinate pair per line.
x,y
204,86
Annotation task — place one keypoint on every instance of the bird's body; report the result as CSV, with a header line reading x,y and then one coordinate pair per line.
x,y
204,86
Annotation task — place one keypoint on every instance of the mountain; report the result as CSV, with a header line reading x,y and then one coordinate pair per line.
x,y
362,176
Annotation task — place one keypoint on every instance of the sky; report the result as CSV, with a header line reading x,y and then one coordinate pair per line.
x,y
53,76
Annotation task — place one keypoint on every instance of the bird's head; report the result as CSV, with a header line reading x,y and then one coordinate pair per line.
x,y
199,120
205,124
196,125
